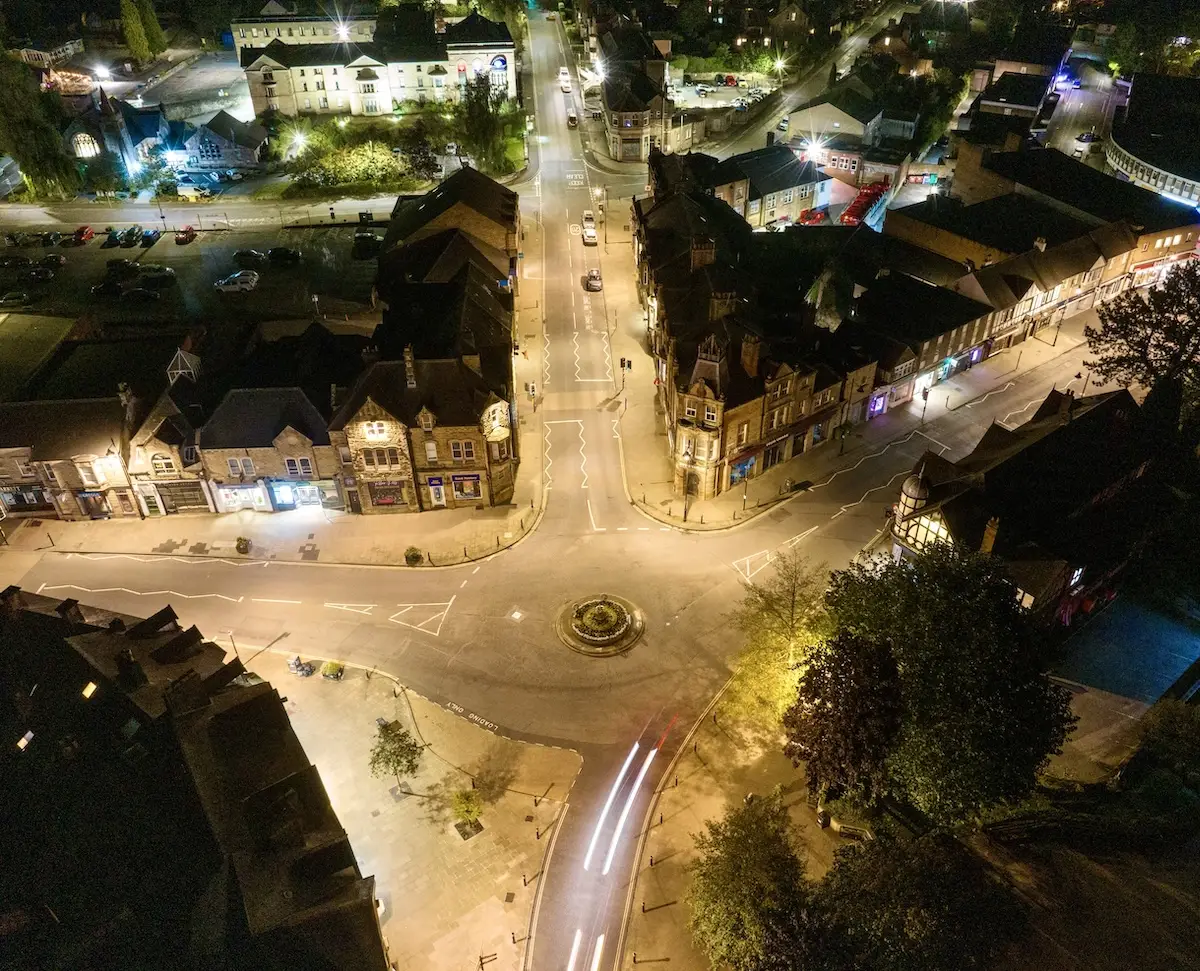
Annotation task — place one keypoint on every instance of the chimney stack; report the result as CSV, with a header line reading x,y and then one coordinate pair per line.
x,y
989,536
704,252
410,370
750,350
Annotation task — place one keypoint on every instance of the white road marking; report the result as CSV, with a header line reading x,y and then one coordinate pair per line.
x,y
476,570
979,401
743,565
643,529
440,616
144,593
873,455
622,529
266,600
159,559
796,539
851,505
592,519
607,355
353,608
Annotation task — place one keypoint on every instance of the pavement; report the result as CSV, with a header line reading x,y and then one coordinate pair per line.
x,y
443,897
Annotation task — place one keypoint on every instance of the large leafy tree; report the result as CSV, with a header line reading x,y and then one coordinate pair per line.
x,y
416,144
1152,337
155,38
480,113
134,32
923,905
29,131
780,614
846,714
980,716
747,896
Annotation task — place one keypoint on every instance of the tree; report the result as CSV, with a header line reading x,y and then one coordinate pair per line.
x,y
155,38
467,806
846,714
1171,734
29,131
134,32
747,895
694,20
416,144
104,173
923,905
480,119
980,717
395,752
1152,337
780,616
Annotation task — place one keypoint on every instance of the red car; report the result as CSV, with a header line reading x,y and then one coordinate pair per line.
x,y
812,217
730,81
185,235
83,234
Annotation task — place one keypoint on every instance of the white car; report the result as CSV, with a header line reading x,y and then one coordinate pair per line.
x,y
589,236
589,219
564,85
242,280
564,74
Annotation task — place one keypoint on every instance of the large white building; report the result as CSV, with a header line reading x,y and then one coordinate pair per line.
x,y
412,56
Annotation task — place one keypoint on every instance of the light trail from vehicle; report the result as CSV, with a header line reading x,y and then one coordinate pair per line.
x,y
575,950
612,794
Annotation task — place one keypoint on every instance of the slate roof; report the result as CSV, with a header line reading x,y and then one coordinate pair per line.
x,y
769,170
629,91
912,311
1160,109
470,187
626,43
1089,191
60,429
1025,90
436,259
453,393
682,170
1034,42
319,55
477,30
1010,222
246,134
95,369
254,417
408,33
142,123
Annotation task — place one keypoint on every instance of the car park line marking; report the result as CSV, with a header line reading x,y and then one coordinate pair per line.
x,y
476,570
142,593
799,536
463,584
353,608
440,616
743,564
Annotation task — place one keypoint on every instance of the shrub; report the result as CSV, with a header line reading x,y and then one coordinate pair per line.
x,y
467,806
243,544
413,556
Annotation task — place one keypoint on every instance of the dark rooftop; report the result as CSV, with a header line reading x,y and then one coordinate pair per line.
x,y
769,170
1089,191
318,55
1160,110
96,368
246,134
475,29
912,311
454,393
629,91
254,418
1039,43
845,99
468,186
1023,90
58,429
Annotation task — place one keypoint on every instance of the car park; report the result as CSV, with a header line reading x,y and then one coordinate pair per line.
x,y
249,257
150,237
52,260
593,282
14,298
16,261
242,280
185,236
131,237
140,295
83,235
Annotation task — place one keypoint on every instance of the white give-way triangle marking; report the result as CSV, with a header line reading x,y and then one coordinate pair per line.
x,y
432,616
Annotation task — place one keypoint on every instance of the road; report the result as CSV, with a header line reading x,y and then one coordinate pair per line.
x,y
480,637
1085,109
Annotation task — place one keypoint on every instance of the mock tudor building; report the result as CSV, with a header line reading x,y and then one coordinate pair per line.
x,y
416,435
411,56
1064,500
224,142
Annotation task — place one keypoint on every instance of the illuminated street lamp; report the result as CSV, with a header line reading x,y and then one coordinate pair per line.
x,y
343,32
102,72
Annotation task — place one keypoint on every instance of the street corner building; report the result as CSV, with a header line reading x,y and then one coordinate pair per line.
x,y
1064,500
159,810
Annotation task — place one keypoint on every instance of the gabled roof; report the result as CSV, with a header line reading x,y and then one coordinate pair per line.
x,y
769,170
1089,191
254,417
142,123
682,170
246,134
61,429
627,43
912,311
436,259
315,55
629,91
477,30
454,393
847,100
468,186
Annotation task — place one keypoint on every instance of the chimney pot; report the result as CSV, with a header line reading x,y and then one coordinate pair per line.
x,y
410,370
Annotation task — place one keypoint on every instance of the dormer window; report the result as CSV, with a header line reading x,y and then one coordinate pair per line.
x,y
426,421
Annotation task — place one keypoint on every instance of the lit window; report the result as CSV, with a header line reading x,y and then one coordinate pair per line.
x,y
84,145
89,689
1175,241
88,473
374,430
431,451
247,467
427,421
710,413
689,410
743,432
24,740
235,467
456,451
468,451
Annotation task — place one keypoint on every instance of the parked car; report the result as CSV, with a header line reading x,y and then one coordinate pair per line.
x,y
783,124
141,295
185,236
242,280
122,269
688,81
83,235
741,82
150,237
131,237
51,239
740,104
107,288
28,239
1076,83
366,245
16,261
249,257
157,281
718,80
112,239
593,282
39,274
730,81
14,298
283,254
813,217
589,236
702,90
52,260
552,16
1087,137
233,175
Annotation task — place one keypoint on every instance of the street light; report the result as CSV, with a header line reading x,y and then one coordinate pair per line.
x,y
690,459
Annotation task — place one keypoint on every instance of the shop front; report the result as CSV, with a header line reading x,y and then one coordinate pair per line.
x,y
383,495
26,500
169,498
289,494
104,505
235,496
467,487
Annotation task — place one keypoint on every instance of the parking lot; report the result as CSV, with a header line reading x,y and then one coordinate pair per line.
x,y
717,96
326,270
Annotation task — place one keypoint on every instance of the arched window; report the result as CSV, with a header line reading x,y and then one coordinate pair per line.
x,y
84,145
499,73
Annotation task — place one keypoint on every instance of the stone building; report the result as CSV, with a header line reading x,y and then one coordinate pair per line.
x,y
416,435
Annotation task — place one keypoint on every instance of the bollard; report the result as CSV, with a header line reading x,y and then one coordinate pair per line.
x,y
676,782
660,819
714,717
472,782
464,553
524,882
530,503
702,519
694,748
497,542
429,557
652,861
635,957
538,833
643,906
514,936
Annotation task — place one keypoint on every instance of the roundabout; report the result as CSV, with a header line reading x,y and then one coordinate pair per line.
x,y
599,626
